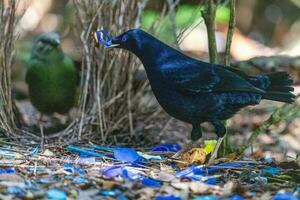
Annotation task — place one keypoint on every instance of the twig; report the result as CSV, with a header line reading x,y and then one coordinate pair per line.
x,y
230,32
281,113
209,15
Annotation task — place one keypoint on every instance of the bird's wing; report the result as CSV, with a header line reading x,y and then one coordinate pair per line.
x,y
190,77
34,71
233,81
197,77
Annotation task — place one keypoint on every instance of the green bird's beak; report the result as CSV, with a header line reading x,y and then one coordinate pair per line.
x,y
56,41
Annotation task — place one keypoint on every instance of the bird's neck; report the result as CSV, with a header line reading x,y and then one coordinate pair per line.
x,y
154,53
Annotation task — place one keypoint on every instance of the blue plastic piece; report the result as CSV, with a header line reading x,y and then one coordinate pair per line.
x,y
285,196
16,191
271,170
111,193
236,197
56,194
85,152
112,172
34,151
207,197
69,167
106,40
8,170
131,175
102,148
167,147
149,182
126,155
80,180
170,197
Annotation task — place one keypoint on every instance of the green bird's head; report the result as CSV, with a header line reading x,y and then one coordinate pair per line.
x,y
47,45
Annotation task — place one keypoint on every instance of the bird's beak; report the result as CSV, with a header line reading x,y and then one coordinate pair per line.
x,y
57,41
111,44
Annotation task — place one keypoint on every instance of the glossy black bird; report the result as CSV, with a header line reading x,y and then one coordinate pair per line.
x,y
194,91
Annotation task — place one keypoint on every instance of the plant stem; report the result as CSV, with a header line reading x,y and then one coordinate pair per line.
x,y
230,31
209,15
286,111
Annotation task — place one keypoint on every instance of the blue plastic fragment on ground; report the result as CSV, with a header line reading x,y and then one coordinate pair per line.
x,y
212,181
271,170
34,151
230,165
8,170
126,155
169,197
207,197
69,167
80,180
45,180
167,147
84,152
56,194
7,154
195,172
268,160
121,197
236,197
16,191
102,148
285,196
86,160
129,175
112,172
149,182
112,193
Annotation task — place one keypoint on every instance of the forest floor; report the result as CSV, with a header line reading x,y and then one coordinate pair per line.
x,y
143,167
267,170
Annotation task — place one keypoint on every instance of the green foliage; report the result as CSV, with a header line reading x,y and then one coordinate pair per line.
x,y
223,14
186,15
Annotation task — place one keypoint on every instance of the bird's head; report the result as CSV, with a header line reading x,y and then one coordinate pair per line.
x,y
47,44
130,40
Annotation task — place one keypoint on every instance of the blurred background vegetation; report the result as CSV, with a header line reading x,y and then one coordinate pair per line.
x,y
263,28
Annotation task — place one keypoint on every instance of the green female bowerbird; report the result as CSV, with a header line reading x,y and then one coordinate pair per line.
x,y
51,77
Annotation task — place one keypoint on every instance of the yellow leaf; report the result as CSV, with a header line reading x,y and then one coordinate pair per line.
x,y
209,146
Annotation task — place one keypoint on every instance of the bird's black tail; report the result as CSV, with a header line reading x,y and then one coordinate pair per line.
x,y
280,88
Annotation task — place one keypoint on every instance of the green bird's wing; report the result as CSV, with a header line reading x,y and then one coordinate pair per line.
x,y
52,84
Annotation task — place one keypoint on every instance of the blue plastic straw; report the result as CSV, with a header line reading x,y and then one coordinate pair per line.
x,y
84,151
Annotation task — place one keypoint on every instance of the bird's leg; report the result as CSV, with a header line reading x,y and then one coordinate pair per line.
x,y
196,134
220,131
40,121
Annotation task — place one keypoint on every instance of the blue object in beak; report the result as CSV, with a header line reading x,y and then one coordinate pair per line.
x,y
105,38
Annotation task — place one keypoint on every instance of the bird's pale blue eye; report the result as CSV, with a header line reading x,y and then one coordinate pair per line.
x,y
124,38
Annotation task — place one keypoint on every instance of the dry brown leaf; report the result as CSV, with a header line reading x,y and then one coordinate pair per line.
x,y
231,156
193,156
